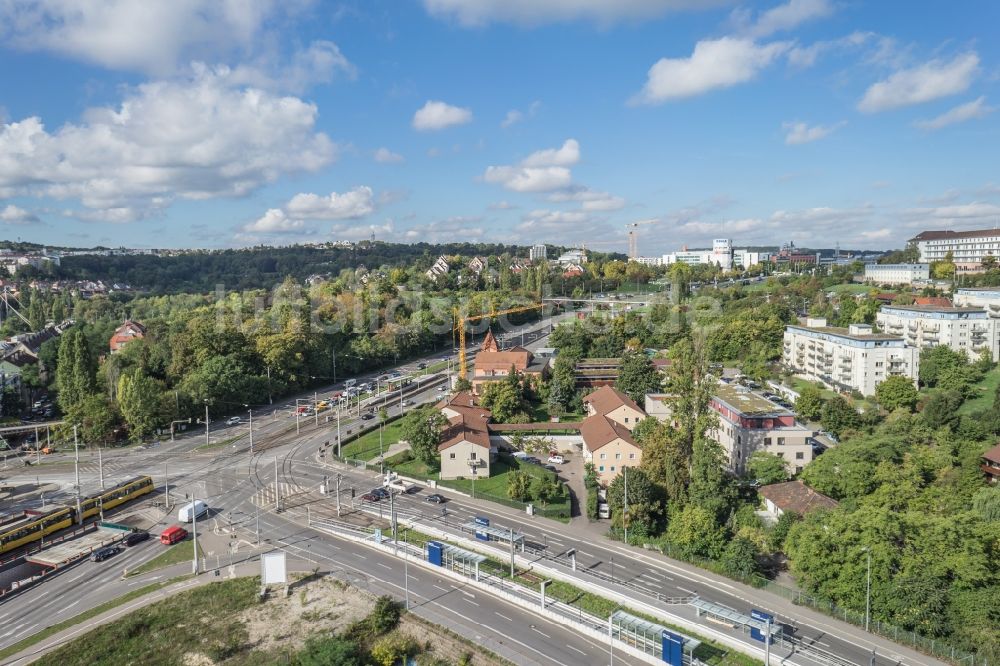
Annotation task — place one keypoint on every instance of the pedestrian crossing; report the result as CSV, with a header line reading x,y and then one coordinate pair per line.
x,y
286,492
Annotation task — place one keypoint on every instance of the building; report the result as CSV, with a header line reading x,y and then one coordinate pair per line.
x,y
897,273
794,497
609,446
722,254
440,267
749,422
847,359
492,364
538,252
648,261
574,270
615,405
968,248
991,464
969,330
13,263
789,255
465,446
572,257
126,333
987,298
478,264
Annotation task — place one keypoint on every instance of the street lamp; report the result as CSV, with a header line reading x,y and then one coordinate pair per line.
x,y
250,412
868,588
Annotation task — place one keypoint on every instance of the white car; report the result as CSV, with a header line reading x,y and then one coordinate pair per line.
x,y
556,460
233,420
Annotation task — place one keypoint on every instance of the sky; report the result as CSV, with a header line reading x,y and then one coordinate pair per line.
x,y
231,123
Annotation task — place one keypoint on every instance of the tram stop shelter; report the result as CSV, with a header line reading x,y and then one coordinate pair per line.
x,y
452,557
652,639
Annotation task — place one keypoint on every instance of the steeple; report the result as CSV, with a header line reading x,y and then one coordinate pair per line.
x,y
489,343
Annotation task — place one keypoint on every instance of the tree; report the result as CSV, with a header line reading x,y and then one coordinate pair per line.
x,y
422,429
326,650
663,459
766,468
519,485
139,401
838,416
986,503
75,368
944,269
637,376
809,404
897,392
711,488
739,559
503,399
941,409
695,532
646,502
562,386
936,360
690,388
97,416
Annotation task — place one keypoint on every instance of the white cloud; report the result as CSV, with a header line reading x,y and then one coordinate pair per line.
x,y
799,132
537,12
349,205
436,115
806,56
356,232
714,63
590,200
959,114
783,17
274,221
929,81
515,116
447,230
11,214
321,62
958,213
566,155
152,36
385,156
542,171
191,139
501,205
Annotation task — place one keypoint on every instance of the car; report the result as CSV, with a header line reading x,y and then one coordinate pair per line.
x,y
551,468
383,378
407,403
136,537
436,499
370,497
421,366
532,460
556,460
102,554
367,416
233,420
380,493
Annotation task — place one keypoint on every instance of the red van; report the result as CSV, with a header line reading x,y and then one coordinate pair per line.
x,y
173,534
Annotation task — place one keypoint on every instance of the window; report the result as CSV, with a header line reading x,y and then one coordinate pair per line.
x,y
631,456
453,456
472,455
781,441
618,456
767,441
626,419
601,468
798,468
799,455
612,468
604,456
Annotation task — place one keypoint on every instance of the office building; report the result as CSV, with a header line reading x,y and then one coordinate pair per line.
x,y
538,252
969,330
722,254
897,273
967,247
847,359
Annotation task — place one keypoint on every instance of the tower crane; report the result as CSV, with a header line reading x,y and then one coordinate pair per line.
x,y
633,239
461,320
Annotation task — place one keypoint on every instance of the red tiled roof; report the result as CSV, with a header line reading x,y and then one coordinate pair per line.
x,y
468,425
948,234
607,399
598,431
796,497
939,301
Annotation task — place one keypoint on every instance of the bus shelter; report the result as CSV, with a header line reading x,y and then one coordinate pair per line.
x,y
653,639
457,559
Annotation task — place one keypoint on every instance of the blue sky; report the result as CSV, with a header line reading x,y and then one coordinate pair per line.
x,y
217,123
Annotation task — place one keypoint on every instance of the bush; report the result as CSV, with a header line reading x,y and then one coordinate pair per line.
x,y
393,649
383,619
328,650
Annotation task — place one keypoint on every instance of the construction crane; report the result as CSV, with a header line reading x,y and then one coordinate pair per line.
x,y
633,239
461,321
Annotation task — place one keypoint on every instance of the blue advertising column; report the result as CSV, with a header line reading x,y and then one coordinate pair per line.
x,y
756,633
482,522
673,648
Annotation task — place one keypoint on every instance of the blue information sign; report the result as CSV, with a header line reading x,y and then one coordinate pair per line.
x,y
755,633
434,553
483,522
673,648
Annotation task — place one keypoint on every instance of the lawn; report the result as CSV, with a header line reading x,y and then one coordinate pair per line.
x,y
850,288
367,447
985,392
175,554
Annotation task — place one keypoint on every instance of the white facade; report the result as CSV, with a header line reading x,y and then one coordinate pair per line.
x,y
967,247
970,330
987,298
538,252
722,254
573,257
852,358
648,261
897,273
440,267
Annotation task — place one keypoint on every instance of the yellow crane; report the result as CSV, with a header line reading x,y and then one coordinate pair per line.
x,y
461,321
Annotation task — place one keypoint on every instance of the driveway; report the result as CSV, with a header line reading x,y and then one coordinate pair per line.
x,y
572,473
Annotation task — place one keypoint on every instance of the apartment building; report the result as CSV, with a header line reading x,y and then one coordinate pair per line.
x,y
748,422
538,252
897,273
987,298
967,247
847,359
970,330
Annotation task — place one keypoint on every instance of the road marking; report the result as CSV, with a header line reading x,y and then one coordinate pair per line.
x,y
503,616
576,649
443,589
359,556
535,629
384,566
585,554
684,589
471,602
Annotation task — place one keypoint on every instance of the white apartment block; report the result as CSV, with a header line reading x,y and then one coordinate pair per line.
x,y
647,261
847,359
572,257
722,254
748,422
538,252
967,247
987,298
970,330
897,273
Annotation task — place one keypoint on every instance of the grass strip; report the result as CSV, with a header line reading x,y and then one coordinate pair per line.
x,y
175,554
